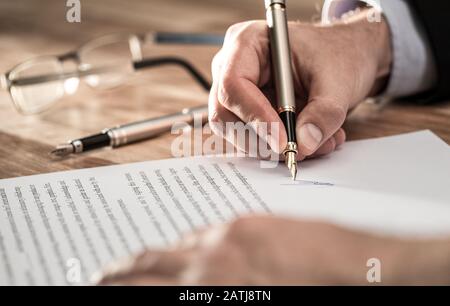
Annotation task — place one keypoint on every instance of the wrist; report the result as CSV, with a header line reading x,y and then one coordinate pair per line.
x,y
371,29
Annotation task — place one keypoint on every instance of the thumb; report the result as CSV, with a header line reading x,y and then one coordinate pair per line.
x,y
321,118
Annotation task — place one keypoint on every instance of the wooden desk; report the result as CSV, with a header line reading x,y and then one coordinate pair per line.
x,y
29,28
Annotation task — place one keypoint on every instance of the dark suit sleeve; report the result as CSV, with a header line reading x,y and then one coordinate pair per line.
x,y
435,16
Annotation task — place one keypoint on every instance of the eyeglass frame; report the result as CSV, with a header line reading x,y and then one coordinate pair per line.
x,y
136,43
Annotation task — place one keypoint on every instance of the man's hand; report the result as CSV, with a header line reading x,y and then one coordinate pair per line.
x,y
275,251
334,68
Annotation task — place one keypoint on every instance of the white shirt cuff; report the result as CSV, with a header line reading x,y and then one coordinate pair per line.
x,y
413,68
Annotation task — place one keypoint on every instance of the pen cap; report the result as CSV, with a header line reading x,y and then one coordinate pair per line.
x,y
271,2
281,56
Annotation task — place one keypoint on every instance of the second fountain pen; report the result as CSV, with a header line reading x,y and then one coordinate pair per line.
x,y
282,74
132,132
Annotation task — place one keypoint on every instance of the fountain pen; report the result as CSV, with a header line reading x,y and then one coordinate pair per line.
x,y
283,79
132,132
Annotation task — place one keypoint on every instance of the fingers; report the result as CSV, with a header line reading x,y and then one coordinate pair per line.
x,y
331,144
340,137
244,99
239,70
249,139
158,265
322,118
218,116
242,67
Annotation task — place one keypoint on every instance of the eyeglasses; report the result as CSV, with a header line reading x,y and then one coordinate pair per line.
x,y
37,84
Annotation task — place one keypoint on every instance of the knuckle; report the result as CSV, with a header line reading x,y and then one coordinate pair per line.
x,y
253,121
244,31
215,120
232,31
216,62
226,89
214,116
249,30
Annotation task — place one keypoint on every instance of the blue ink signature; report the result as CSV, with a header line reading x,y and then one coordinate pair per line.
x,y
308,183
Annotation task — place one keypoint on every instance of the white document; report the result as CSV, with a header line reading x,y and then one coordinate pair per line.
x,y
59,228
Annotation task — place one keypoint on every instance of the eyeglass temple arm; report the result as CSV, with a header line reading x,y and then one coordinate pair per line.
x,y
161,61
186,38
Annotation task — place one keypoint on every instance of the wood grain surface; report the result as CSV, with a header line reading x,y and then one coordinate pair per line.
x,y
30,28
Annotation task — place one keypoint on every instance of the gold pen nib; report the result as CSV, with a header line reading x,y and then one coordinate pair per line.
x,y
291,163
294,171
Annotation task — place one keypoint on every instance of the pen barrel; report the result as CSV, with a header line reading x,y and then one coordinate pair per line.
x,y
146,129
281,55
